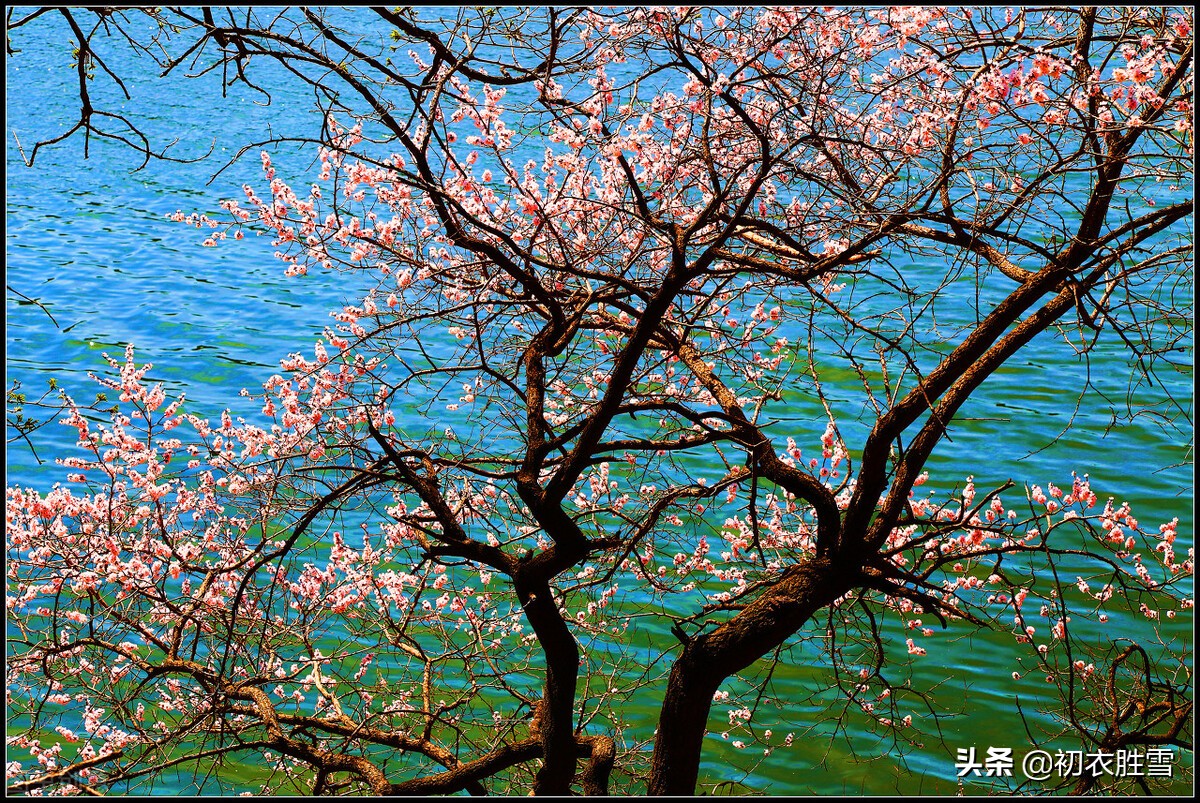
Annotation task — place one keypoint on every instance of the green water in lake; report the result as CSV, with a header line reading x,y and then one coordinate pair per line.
x,y
89,240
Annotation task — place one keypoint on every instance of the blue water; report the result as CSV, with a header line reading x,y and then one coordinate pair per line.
x,y
89,240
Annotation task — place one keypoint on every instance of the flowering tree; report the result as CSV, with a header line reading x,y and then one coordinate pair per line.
x,y
603,254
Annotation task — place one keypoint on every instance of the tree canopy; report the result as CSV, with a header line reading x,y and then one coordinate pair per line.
x,y
613,262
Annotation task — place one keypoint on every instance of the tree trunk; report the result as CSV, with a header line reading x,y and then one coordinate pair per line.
x,y
681,726
558,700
708,660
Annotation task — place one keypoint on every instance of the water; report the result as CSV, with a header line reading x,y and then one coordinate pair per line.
x,y
90,242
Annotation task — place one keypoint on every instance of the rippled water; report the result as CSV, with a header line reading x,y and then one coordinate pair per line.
x,y
89,240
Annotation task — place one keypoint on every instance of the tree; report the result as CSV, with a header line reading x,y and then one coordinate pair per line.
x,y
606,254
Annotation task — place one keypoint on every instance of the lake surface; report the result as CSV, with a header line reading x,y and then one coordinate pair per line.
x,y
90,241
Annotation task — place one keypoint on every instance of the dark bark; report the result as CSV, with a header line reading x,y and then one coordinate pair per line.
x,y
707,660
554,718
468,776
